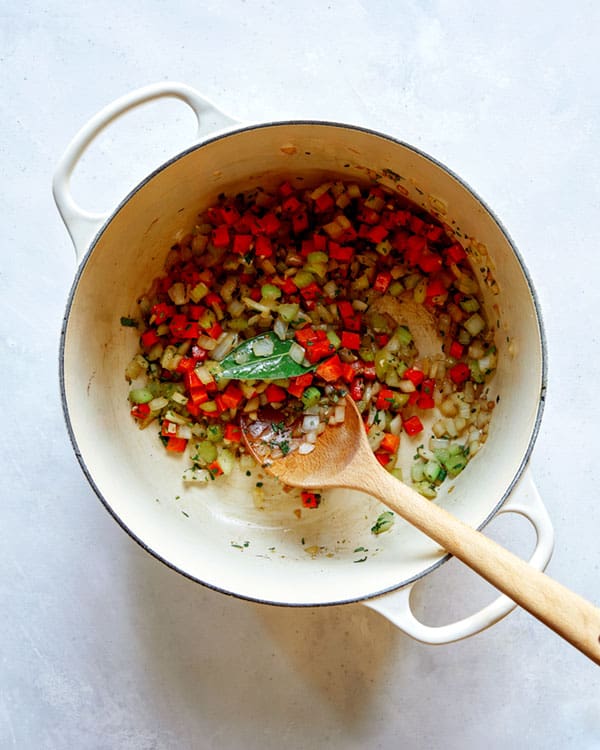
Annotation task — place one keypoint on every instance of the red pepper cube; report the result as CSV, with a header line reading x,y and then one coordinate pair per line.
x,y
415,376
436,290
368,216
291,205
306,334
385,399
242,243
149,338
383,457
429,262
390,443
263,247
357,389
455,253
176,444
214,331
459,373
417,225
351,340
269,223
382,339
324,202
382,282
456,350
415,247
230,214
320,242
220,236
300,222
186,364
161,312
214,215
434,233
353,322
286,189
317,350
377,233
232,433
310,499
368,371
312,292
214,299
413,426
307,247
345,309
348,372
288,287
424,401
428,386
342,253
168,429
140,411
198,396
275,394
232,397
330,370
215,469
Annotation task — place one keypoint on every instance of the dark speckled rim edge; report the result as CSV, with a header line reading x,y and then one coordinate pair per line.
x,y
395,141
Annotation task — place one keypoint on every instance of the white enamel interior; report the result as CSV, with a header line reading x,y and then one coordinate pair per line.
x,y
142,485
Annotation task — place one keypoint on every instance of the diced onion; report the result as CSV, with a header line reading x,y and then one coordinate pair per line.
x,y
263,347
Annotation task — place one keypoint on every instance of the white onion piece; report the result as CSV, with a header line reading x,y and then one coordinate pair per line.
x,y
340,413
263,347
204,375
297,353
280,328
310,423
158,403
225,343
184,431
306,448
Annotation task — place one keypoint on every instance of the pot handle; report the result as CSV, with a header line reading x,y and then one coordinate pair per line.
x,y
83,225
525,501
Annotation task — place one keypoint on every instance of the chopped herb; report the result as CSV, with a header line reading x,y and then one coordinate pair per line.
x,y
248,473
129,322
384,522
362,559
259,484
185,514
360,549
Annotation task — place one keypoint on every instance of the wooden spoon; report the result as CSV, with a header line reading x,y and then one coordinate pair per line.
x,y
343,458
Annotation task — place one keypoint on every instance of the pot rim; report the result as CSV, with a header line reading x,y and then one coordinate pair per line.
x,y
260,126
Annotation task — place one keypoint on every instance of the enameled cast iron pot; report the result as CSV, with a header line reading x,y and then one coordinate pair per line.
x,y
216,535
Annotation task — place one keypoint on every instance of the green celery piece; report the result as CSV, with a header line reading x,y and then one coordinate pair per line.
x,y
276,366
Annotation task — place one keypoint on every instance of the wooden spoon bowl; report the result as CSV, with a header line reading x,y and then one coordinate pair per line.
x,y
342,457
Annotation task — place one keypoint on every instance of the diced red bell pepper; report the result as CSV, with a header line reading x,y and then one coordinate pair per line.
x,y
348,372
198,396
456,350
182,328
220,236
455,253
357,389
390,443
429,262
313,291
417,225
428,386
415,376
176,444
215,469
290,205
263,247
436,289
168,429
459,373
413,426
149,338
434,233
215,330
306,334
306,248
383,457
288,286
194,312
415,246
377,233
317,350
285,189
342,253
424,401
140,411
320,242
310,499
242,243
230,214
300,222
298,385
161,312
368,216
385,399
269,223
351,340
232,433
232,396
275,393
324,202
331,369
345,309
186,364
382,282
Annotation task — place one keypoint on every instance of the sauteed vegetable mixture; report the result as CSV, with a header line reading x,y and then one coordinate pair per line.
x,y
301,296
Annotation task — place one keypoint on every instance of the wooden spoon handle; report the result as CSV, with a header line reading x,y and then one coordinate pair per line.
x,y
568,614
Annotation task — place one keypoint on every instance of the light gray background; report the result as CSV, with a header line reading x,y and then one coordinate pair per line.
x,y
102,646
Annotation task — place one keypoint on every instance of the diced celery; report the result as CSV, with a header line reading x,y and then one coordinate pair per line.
x,y
288,312
383,523
432,470
311,396
396,288
334,339
270,291
206,452
226,460
384,247
198,292
303,279
140,395
403,335
469,304
214,433
417,471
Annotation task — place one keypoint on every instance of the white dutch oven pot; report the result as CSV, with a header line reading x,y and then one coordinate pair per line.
x,y
214,534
